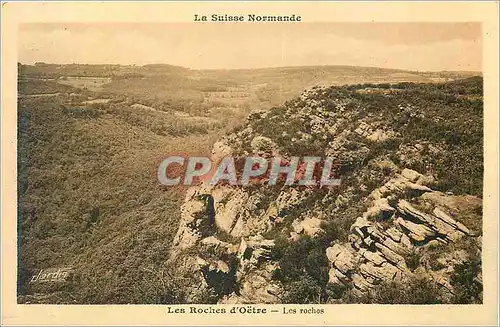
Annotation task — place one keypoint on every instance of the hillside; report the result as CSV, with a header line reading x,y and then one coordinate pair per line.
x,y
404,226
91,137
89,199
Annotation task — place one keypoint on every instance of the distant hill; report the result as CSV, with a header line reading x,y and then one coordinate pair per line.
x,y
59,70
196,91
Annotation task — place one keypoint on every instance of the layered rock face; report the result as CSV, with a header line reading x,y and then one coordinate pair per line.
x,y
392,229
405,218
390,222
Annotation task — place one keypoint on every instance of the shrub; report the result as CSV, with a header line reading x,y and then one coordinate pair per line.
x,y
413,291
413,260
465,280
303,290
304,268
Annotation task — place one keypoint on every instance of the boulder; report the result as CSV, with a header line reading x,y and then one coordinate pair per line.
x,y
309,226
343,278
375,233
191,209
215,244
406,242
395,247
186,238
444,225
406,208
411,175
380,135
333,251
389,271
395,185
461,227
361,283
386,272
380,207
344,262
341,257
417,232
256,249
260,241
392,256
242,248
222,266
358,232
213,265
374,257
258,288
368,241
227,214
439,213
394,234
426,180
332,277
420,189
360,222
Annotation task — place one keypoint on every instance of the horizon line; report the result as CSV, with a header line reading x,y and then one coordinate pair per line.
x,y
256,68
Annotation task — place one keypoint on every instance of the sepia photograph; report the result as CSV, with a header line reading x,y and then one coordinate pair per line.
x,y
241,159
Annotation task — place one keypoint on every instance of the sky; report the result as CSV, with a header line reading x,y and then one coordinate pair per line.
x,y
411,46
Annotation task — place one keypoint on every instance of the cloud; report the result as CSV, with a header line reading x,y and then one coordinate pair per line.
x,y
244,45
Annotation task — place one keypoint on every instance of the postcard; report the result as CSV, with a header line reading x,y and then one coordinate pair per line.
x,y
236,163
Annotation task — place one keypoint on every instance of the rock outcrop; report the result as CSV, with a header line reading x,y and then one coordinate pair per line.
x,y
382,239
395,225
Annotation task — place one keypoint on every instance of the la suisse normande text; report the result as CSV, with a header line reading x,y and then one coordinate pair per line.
x,y
247,18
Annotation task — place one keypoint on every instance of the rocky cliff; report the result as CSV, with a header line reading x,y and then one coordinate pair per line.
x,y
407,213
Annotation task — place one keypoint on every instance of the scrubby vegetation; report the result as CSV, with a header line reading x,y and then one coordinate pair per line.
x,y
436,130
416,290
444,120
303,269
465,279
29,87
